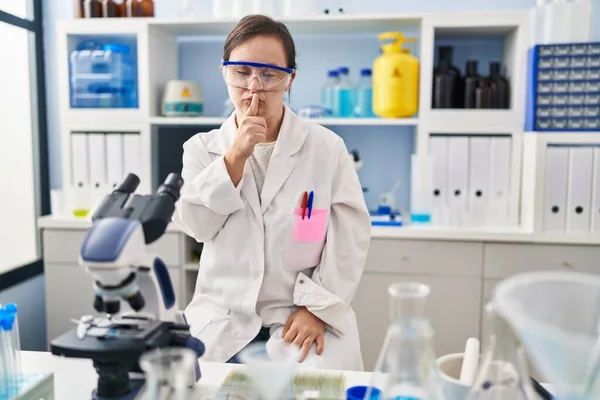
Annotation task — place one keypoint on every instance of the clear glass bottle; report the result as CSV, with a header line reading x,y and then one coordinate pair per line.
x,y
169,370
364,95
328,90
406,368
503,373
344,90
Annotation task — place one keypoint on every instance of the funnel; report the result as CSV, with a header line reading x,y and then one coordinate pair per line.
x,y
271,367
556,315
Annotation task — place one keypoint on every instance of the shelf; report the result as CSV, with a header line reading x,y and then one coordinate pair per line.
x,y
313,25
472,121
484,234
217,121
94,119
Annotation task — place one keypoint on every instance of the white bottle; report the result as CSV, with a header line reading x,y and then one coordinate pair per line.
x,y
298,8
537,22
264,7
241,8
557,22
223,9
582,21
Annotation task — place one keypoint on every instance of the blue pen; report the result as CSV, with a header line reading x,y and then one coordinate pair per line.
x,y
310,203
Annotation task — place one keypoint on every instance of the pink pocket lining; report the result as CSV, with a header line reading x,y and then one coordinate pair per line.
x,y
313,229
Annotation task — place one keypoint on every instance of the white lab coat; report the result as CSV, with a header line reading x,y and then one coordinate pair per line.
x,y
253,270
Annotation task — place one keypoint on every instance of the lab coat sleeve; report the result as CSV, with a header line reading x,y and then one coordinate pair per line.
x,y
208,195
328,293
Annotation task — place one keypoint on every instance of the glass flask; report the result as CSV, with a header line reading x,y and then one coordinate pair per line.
x,y
503,373
406,368
169,371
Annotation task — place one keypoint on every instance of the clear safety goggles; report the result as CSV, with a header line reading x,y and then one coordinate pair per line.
x,y
271,78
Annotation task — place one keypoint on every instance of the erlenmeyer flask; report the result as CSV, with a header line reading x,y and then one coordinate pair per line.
x,y
406,368
503,374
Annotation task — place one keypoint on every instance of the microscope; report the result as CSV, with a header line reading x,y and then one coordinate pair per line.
x,y
114,253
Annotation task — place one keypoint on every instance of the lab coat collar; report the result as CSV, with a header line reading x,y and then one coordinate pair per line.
x,y
292,134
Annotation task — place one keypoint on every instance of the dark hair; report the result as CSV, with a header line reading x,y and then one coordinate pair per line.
x,y
257,25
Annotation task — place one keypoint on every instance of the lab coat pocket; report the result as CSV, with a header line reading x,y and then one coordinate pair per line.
x,y
304,239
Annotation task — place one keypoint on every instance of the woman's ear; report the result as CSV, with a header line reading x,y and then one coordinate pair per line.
x,y
291,81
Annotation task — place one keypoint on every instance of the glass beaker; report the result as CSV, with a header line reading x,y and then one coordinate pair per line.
x,y
503,374
169,370
406,368
271,367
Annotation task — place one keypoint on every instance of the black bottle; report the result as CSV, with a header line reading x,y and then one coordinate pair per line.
x,y
472,81
499,88
483,96
445,65
443,86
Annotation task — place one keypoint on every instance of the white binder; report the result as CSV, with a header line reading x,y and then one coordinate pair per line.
x,y
80,176
97,158
132,155
458,179
595,207
499,188
579,197
114,159
438,150
479,175
556,179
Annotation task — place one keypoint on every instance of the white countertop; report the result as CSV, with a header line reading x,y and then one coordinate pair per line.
x,y
414,232
74,379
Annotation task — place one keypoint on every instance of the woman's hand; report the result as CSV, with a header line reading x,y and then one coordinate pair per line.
x,y
251,130
303,329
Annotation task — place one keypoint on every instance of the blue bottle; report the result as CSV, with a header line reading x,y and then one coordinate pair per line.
x,y
328,90
364,95
343,105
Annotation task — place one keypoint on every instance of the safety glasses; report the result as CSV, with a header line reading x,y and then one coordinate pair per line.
x,y
271,78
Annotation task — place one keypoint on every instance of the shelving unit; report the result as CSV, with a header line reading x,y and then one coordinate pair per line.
x,y
158,43
212,121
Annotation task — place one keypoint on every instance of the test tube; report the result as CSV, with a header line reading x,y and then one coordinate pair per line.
x,y
16,341
5,359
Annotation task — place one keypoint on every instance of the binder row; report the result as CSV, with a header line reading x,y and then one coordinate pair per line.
x,y
572,189
471,180
101,160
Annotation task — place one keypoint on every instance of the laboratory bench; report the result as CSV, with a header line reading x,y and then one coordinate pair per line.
x,y
66,371
461,266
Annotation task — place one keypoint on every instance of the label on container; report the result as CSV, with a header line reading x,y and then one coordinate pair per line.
x,y
592,62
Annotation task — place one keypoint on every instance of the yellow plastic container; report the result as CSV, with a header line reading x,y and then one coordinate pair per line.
x,y
395,78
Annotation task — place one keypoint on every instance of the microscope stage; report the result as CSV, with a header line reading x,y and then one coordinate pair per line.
x,y
119,343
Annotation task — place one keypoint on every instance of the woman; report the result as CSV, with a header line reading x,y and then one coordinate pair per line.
x,y
280,210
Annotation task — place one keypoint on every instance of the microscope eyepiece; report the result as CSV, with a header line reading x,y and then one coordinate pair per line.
x,y
98,304
112,307
129,184
136,301
171,186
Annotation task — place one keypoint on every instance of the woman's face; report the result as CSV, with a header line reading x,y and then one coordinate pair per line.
x,y
265,50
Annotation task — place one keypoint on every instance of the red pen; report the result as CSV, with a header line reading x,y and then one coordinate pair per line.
x,y
304,203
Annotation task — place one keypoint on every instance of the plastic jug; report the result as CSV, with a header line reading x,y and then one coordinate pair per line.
x,y
395,78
